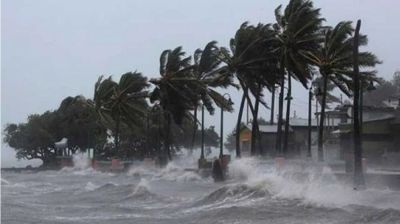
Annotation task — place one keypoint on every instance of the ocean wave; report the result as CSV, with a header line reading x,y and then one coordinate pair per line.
x,y
233,193
4,182
317,185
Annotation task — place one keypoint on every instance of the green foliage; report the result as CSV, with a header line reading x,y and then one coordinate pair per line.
x,y
334,57
75,120
34,139
122,104
299,34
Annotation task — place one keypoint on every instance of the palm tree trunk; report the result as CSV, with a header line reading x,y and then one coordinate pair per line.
x,y
271,121
309,123
322,119
116,136
238,124
194,129
168,137
358,173
254,128
278,144
202,132
288,96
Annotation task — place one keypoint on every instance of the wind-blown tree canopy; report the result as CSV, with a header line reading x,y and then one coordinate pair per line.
x,y
251,61
122,103
298,33
34,139
334,59
78,122
209,75
174,91
75,120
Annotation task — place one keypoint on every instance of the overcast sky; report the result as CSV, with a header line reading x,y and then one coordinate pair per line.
x,y
54,49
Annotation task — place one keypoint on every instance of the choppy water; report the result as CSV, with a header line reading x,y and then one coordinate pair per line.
x,y
256,193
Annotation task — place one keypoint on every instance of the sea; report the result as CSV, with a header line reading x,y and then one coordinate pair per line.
x,y
256,191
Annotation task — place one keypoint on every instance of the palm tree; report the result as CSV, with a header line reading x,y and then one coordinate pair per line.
x,y
121,103
208,75
334,61
298,33
173,90
249,61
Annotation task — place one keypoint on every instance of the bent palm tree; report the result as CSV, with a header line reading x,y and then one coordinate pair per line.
x,y
121,103
249,60
334,60
208,75
298,32
173,90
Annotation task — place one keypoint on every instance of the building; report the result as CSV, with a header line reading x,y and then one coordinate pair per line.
x,y
380,134
298,137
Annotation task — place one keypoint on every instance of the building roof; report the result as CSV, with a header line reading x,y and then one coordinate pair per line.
x,y
377,117
269,128
302,122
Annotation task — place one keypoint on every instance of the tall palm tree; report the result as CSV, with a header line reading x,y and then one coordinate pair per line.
x,y
121,103
298,32
209,75
248,60
173,90
334,61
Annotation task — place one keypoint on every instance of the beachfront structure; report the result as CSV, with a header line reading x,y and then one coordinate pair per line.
x,y
298,135
380,135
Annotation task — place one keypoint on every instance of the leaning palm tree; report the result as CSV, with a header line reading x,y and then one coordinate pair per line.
x,y
208,75
173,90
334,61
122,103
247,60
298,33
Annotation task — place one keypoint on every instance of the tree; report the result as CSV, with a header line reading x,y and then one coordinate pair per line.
x,y
334,61
209,76
34,139
249,59
318,85
173,90
298,33
122,103
78,122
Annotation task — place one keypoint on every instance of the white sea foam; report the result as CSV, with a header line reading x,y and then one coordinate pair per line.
x,y
90,186
81,166
320,188
4,182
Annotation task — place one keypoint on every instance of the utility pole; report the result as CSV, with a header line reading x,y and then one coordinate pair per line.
x,y
309,122
359,181
272,105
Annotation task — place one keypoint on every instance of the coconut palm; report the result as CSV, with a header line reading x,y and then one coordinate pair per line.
x,y
298,33
121,103
334,61
249,61
208,75
173,90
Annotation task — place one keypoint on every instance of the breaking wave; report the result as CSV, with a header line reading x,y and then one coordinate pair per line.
x,y
315,186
